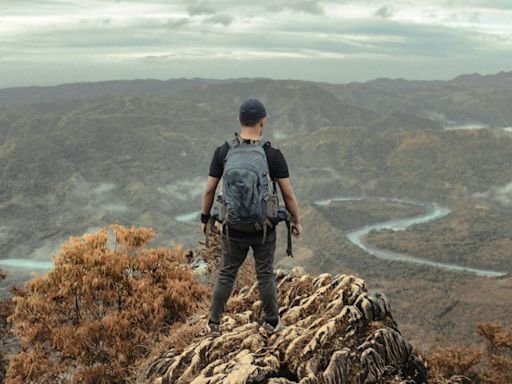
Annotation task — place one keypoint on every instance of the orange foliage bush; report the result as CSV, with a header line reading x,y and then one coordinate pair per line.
x,y
6,309
453,361
99,309
499,350
453,365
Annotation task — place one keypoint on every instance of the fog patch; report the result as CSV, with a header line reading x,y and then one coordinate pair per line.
x,y
189,217
451,125
100,198
103,188
113,208
86,190
327,173
4,232
501,195
45,252
471,126
508,129
438,117
184,190
92,229
280,135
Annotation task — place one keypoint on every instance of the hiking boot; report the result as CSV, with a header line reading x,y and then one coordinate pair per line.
x,y
269,328
212,329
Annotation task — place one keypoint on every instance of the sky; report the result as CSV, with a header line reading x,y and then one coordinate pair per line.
x,y
47,42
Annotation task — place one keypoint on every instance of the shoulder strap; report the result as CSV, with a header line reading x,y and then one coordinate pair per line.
x,y
233,142
236,140
263,142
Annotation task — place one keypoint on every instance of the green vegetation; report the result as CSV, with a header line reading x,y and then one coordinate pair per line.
x,y
137,154
346,215
473,235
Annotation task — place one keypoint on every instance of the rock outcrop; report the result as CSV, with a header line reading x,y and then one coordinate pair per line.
x,y
335,331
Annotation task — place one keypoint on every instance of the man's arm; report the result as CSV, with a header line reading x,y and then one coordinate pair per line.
x,y
291,204
209,194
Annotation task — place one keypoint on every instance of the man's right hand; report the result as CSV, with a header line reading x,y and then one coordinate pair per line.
x,y
296,229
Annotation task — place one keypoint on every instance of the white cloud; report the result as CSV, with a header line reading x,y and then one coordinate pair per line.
x,y
124,32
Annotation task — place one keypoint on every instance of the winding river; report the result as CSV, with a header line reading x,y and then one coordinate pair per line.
x,y
432,212
26,264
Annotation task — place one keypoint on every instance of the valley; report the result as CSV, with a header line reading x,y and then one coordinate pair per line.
x,y
137,153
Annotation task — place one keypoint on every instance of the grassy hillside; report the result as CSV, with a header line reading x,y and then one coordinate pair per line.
x,y
467,99
138,153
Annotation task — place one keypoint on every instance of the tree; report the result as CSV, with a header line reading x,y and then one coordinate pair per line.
x,y
99,309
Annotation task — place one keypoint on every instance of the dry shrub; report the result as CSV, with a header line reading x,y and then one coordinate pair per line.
x,y
453,361
499,353
6,309
99,309
452,365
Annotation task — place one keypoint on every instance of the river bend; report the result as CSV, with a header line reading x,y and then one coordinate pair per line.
x,y
432,212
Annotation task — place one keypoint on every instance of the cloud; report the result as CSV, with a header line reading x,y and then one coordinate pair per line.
x,y
203,7
384,12
308,6
129,34
177,22
224,20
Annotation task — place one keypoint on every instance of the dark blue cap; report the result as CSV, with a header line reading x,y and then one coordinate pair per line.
x,y
251,110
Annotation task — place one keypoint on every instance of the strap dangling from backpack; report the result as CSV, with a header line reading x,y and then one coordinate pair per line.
x,y
209,226
289,246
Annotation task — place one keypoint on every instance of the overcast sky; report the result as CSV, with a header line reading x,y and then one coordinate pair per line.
x,y
52,41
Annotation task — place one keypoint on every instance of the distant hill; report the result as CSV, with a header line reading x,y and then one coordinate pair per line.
x,y
142,155
70,165
137,153
80,91
466,99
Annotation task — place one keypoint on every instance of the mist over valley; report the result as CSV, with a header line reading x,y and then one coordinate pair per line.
x,y
76,157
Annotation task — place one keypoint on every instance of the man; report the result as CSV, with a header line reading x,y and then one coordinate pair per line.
x,y
252,118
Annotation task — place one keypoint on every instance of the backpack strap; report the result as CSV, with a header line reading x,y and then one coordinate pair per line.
x,y
263,142
238,140
289,251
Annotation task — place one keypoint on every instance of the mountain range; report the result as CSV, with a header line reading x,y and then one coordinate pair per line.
x,y
77,157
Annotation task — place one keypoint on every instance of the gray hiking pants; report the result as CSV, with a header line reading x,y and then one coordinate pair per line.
x,y
231,262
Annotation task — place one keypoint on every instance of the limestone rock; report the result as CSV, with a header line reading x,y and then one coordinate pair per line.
x,y
335,332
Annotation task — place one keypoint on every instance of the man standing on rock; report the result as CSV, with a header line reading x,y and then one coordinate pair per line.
x,y
245,164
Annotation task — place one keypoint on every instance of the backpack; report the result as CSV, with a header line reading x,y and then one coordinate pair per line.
x,y
248,203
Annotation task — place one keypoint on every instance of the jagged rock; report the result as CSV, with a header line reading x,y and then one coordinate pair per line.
x,y
335,332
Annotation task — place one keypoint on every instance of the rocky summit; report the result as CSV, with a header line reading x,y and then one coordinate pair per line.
x,y
334,331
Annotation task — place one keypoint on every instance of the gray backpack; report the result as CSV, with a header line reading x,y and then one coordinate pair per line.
x,y
248,203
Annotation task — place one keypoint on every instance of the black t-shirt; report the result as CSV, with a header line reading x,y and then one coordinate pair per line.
x,y
278,169
277,165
